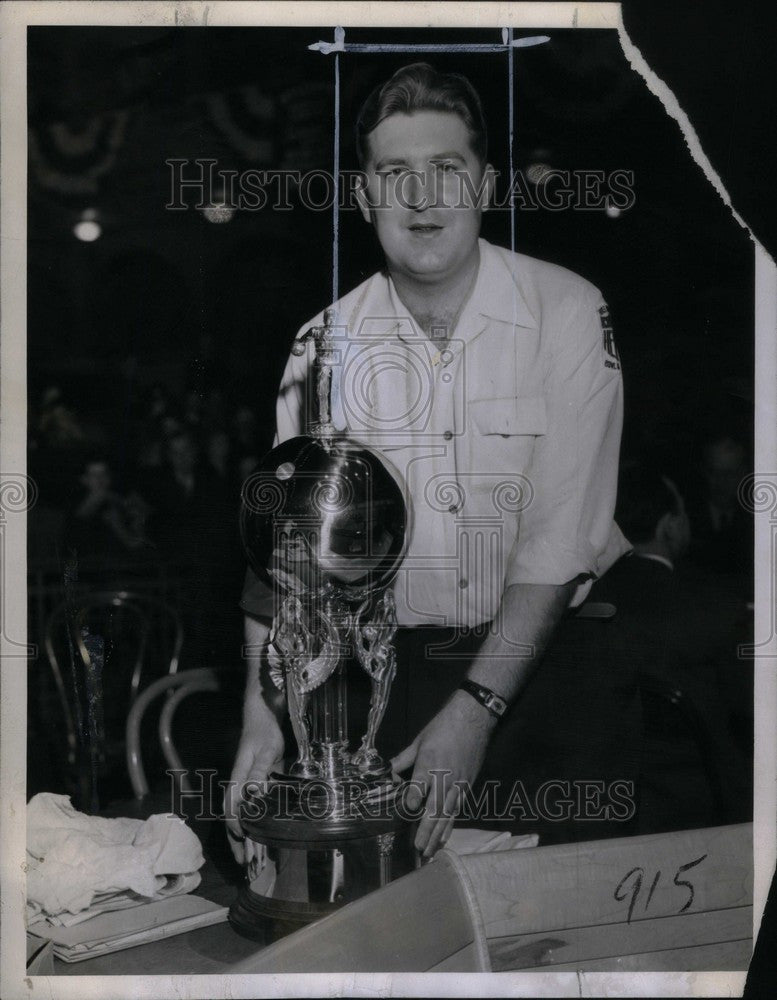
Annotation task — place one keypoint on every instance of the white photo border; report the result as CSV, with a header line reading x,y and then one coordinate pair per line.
x,y
15,17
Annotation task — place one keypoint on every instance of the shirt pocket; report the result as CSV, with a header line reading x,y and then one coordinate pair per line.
x,y
502,435
509,416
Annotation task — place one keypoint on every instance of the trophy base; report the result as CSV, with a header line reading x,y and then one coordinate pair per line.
x,y
322,861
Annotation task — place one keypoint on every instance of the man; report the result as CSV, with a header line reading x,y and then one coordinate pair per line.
x,y
491,383
104,524
722,527
679,629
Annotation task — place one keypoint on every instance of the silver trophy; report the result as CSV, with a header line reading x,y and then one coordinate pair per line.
x,y
324,522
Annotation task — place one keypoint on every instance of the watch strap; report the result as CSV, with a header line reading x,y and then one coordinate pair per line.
x,y
489,699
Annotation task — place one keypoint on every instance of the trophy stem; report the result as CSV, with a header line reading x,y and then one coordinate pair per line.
x,y
342,703
331,528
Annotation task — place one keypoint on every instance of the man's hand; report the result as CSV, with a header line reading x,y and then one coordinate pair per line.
x,y
261,744
454,745
258,754
456,739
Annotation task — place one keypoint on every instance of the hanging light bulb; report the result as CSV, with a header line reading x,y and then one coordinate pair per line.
x,y
218,210
537,172
88,228
218,213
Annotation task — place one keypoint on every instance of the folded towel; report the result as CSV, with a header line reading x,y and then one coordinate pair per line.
x,y
75,861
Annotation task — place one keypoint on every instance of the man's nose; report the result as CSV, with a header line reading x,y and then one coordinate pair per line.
x,y
415,190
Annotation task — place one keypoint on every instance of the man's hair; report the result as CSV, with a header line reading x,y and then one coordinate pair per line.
x,y
644,497
420,87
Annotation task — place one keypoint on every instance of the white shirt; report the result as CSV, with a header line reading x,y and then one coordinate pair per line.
x,y
505,438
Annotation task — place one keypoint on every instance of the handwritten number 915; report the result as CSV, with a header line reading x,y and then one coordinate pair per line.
x,y
636,879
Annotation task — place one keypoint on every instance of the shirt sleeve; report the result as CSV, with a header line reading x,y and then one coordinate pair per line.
x,y
257,598
567,530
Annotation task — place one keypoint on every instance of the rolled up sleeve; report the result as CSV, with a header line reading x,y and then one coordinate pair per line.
x,y
567,530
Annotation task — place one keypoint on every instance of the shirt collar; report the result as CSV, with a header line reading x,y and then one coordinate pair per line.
x,y
496,296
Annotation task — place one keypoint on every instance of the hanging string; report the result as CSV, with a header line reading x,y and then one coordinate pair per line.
x,y
336,206
511,126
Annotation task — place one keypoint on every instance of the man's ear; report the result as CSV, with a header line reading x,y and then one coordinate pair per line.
x,y
487,188
670,531
665,528
360,192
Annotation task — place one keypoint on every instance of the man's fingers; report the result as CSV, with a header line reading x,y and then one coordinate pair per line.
x,y
447,831
248,777
444,824
406,758
429,784
435,826
237,843
235,836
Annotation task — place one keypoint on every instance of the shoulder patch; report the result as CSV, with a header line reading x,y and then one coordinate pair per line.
x,y
612,359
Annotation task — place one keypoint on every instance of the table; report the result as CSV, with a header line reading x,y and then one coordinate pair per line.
x,y
675,901
206,950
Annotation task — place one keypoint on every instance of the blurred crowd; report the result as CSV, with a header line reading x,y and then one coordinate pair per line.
x,y
158,491
162,485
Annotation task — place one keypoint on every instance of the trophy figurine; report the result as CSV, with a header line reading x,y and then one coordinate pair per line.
x,y
324,522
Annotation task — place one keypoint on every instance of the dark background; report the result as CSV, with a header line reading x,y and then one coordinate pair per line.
x,y
167,296
170,298
208,311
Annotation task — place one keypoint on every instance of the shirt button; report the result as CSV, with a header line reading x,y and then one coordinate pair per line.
x,y
447,435
463,583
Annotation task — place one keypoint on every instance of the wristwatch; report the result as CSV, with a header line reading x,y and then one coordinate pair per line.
x,y
488,699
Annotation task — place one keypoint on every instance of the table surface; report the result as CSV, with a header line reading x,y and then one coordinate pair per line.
x,y
206,950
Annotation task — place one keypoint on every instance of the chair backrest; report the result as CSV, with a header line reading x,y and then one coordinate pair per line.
x,y
427,921
663,902
185,683
140,636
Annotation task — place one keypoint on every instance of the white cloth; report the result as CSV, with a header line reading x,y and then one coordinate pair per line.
x,y
79,863
506,437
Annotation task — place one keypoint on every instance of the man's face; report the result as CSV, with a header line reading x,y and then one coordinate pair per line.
x,y
422,184
680,535
183,455
97,477
724,467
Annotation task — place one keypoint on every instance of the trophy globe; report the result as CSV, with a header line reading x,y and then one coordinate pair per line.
x,y
324,523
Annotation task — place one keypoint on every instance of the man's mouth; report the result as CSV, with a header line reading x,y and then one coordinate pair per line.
x,y
424,228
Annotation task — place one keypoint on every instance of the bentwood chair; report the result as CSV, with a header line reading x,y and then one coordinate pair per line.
x,y
178,687
101,648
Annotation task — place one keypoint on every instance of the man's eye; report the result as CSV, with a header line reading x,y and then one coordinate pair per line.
x,y
445,168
